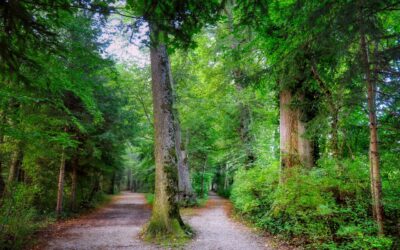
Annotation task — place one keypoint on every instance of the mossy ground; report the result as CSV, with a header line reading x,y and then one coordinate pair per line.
x,y
175,235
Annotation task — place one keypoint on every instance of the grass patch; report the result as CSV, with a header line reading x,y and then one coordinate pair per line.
x,y
201,202
149,198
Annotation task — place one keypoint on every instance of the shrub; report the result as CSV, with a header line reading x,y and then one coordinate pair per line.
x,y
17,217
319,208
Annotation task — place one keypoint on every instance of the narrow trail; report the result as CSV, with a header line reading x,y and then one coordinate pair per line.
x,y
118,224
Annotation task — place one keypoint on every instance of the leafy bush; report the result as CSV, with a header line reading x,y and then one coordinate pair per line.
x,y
320,208
149,198
17,217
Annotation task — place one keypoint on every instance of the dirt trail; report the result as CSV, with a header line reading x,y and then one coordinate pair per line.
x,y
215,230
117,225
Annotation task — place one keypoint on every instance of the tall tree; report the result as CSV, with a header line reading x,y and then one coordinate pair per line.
x,y
171,23
165,217
376,183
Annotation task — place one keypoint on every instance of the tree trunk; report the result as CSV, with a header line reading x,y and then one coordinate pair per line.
x,y
14,165
133,188
74,183
295,149
334,145
166,219
376,186
244,127
60,192
129,182
305,146
186,194
112,184
288,132
202,178
226,180
96,187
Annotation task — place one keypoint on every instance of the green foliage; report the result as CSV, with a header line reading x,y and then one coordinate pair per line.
x,y
18,217
314,207
69,102
177,21
60,95
253,190
149,198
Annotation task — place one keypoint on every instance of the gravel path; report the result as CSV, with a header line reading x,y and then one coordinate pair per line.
x,y
117,225
214,230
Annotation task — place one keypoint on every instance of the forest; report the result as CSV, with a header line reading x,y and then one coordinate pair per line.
x,y
288,109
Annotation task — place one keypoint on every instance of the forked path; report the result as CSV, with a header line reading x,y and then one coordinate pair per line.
x,y
117,226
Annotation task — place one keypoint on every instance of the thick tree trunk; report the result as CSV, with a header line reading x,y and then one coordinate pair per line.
x,y
288,131
60,192
74,184
376,186
305,146
295,149
166,219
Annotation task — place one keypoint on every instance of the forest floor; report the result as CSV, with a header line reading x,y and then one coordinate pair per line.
x,y
117,225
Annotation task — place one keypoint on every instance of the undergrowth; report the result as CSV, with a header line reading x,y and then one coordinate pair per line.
x,y
19,219
327,207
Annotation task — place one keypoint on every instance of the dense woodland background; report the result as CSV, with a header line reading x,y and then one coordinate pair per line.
x,y
275,104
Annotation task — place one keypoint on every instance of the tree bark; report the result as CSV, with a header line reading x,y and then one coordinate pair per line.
x,y
166,219
376,186
186,195
305,146
74,183
295,149
60,192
